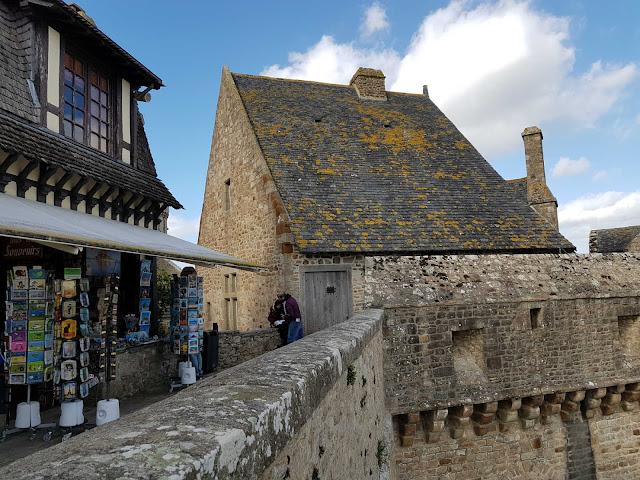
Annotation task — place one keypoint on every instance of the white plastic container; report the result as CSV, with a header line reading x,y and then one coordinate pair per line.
x,y
108,411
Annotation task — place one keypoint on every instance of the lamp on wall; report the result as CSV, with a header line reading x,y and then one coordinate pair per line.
x,y
143,96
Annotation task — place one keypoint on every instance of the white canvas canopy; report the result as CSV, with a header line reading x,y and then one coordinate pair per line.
x,y
21,218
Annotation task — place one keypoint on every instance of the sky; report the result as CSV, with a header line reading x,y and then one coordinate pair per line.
x,y
570,67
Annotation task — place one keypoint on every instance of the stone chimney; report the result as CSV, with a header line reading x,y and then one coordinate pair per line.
x,y
538,194
369,84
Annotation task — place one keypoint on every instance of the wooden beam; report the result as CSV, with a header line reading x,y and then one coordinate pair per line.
x,y
150,214
138,214
22,177
103,205
116,204
46,172
127,211
4,178
157,220
89,200
75,197
60,194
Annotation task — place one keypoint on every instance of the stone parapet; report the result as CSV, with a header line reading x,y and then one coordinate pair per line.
x,y
236,424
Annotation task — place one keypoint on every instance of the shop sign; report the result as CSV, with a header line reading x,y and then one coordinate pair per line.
x,y
18,249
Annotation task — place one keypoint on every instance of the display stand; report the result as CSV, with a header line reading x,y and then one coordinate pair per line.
x,y
28,418
109,408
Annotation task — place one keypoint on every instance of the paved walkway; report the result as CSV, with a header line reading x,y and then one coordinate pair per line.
x,y
18,445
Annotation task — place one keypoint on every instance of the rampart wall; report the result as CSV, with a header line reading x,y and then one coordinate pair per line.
x,y
519,365
312,409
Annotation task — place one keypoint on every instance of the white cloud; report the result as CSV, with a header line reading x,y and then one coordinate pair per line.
x,y
597,211
566,167
181,227
330,62
601,175
375,20
493,68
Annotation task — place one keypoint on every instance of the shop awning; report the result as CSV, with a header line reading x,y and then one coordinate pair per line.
x,y
21,218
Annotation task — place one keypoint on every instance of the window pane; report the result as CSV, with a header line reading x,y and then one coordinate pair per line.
x,y
103,129
95,93
103,147
68,95
94,77
79,84
95,140
95,109
79,100
103,114
78,133
95,124
103,98
68,77
78,68
68,111
68,129
68,61
78,116
104,84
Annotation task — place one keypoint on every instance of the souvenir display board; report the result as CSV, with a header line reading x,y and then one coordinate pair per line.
x,y
29,326
108,316
73,374
187,312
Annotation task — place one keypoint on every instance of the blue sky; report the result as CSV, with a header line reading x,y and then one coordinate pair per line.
x,y
570,67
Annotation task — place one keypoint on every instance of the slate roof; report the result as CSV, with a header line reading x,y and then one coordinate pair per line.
x,y
612,240
16,46
41,144
19,127
519,185
383,176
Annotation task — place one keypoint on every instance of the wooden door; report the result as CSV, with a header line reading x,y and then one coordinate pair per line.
x,y
326,295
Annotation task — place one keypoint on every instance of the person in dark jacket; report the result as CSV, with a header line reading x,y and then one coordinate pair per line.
x,y
292,314
276,320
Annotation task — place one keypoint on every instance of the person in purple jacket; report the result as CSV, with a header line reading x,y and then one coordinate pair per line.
x,y
292,315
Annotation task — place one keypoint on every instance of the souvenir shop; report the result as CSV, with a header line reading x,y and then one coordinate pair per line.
x,y
66,311
77,287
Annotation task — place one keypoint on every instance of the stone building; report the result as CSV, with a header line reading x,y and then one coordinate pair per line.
x,y
615,240
310,179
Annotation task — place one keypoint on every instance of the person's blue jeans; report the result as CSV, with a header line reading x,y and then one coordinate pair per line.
x,y
295,332
196,362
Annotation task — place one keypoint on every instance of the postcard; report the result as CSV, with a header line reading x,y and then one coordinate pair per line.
x,y
19,336
35,367
85,343
145,318
20,272
35,377
36,346
69,329
19,346
48,357
145,266
84,374
20,305
145,279
69,308
69,349
145,303
84,299
48,374
17,379
84,389
17,294
72,274
36,324
35,357
36,336
18,368
84,284
145,292
68,389
84,315
68,288
37,283
18,326
56,376
84,359
68,370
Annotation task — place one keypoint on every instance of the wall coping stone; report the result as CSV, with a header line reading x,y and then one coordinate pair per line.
x,y
232,425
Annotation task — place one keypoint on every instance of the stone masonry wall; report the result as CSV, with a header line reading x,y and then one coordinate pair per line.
x,y
352,418
236,347
247,419
556,390
547,323
248,229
